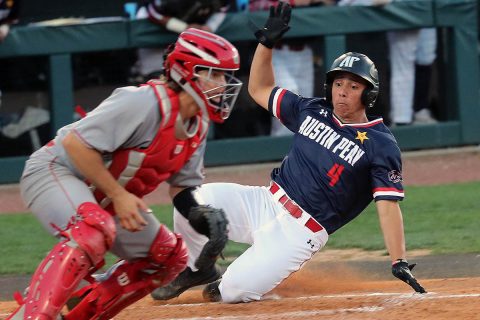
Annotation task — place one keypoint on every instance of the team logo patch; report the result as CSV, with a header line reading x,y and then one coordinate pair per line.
x,y
395,176
178,149
362,136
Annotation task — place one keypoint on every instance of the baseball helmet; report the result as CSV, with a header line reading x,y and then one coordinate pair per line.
x,y
197,50
360,65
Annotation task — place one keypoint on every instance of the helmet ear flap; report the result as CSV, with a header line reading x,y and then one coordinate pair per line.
x,y
369,96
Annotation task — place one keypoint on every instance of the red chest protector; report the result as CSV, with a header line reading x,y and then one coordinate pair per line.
x,y
141,170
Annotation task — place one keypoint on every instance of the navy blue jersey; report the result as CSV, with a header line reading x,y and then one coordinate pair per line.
x,y
334,170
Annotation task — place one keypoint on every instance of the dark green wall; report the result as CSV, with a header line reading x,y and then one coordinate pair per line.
x,y
34,10
457,17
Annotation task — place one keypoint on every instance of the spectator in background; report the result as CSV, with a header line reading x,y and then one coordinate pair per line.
x,y
8,15
362,2
175,16
294,69
292,61
412,53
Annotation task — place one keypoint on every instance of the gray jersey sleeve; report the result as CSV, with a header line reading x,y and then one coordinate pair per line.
x,y
192,172
129,117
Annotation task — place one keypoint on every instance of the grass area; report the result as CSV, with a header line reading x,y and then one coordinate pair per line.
x,y
444,219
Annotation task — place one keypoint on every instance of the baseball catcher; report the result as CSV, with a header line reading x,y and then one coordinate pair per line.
x,y
86,185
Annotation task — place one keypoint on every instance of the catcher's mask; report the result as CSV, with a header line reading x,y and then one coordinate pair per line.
x,y
197,50
360,65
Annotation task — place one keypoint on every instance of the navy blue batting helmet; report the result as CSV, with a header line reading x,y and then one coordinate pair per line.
x,y
360,65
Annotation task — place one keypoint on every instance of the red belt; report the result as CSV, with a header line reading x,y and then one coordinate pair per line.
x,y
294,210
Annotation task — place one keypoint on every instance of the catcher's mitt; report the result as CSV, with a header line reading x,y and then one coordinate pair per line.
x,y
214,221
402,270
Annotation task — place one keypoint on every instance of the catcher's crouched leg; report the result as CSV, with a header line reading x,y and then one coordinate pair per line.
x,y
87,240
128,281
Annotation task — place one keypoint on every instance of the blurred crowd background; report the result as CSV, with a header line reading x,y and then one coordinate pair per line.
x,y
401,58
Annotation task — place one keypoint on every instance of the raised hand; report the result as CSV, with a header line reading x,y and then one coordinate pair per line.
x,y
276,25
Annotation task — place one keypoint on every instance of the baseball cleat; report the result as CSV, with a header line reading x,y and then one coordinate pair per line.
x,y
211,292
186,280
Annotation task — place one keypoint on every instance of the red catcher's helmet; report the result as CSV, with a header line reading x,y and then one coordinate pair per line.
x,y
197,50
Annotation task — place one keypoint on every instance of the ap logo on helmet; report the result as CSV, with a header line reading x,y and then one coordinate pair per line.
x,y
348,61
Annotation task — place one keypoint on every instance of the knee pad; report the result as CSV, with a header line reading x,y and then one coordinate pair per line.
x,y
94,231
169,254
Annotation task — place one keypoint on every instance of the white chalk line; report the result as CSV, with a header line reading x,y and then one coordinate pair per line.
x,y
289,315
427,296
397,298
418,296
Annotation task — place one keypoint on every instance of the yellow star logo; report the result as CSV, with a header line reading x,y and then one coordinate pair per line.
x,y
361,136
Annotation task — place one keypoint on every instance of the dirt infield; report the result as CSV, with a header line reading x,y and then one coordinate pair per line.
x,y
350,299
337,284
310,295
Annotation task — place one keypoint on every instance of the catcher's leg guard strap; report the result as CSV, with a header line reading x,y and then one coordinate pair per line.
x,y
70,261
129,281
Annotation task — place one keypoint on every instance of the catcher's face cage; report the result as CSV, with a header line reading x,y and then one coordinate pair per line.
x,y
220,89
197,50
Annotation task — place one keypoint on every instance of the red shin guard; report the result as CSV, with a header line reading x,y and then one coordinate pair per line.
x,y
87,240
128,282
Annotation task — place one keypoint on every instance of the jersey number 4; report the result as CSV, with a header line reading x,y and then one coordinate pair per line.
x,y
334,173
